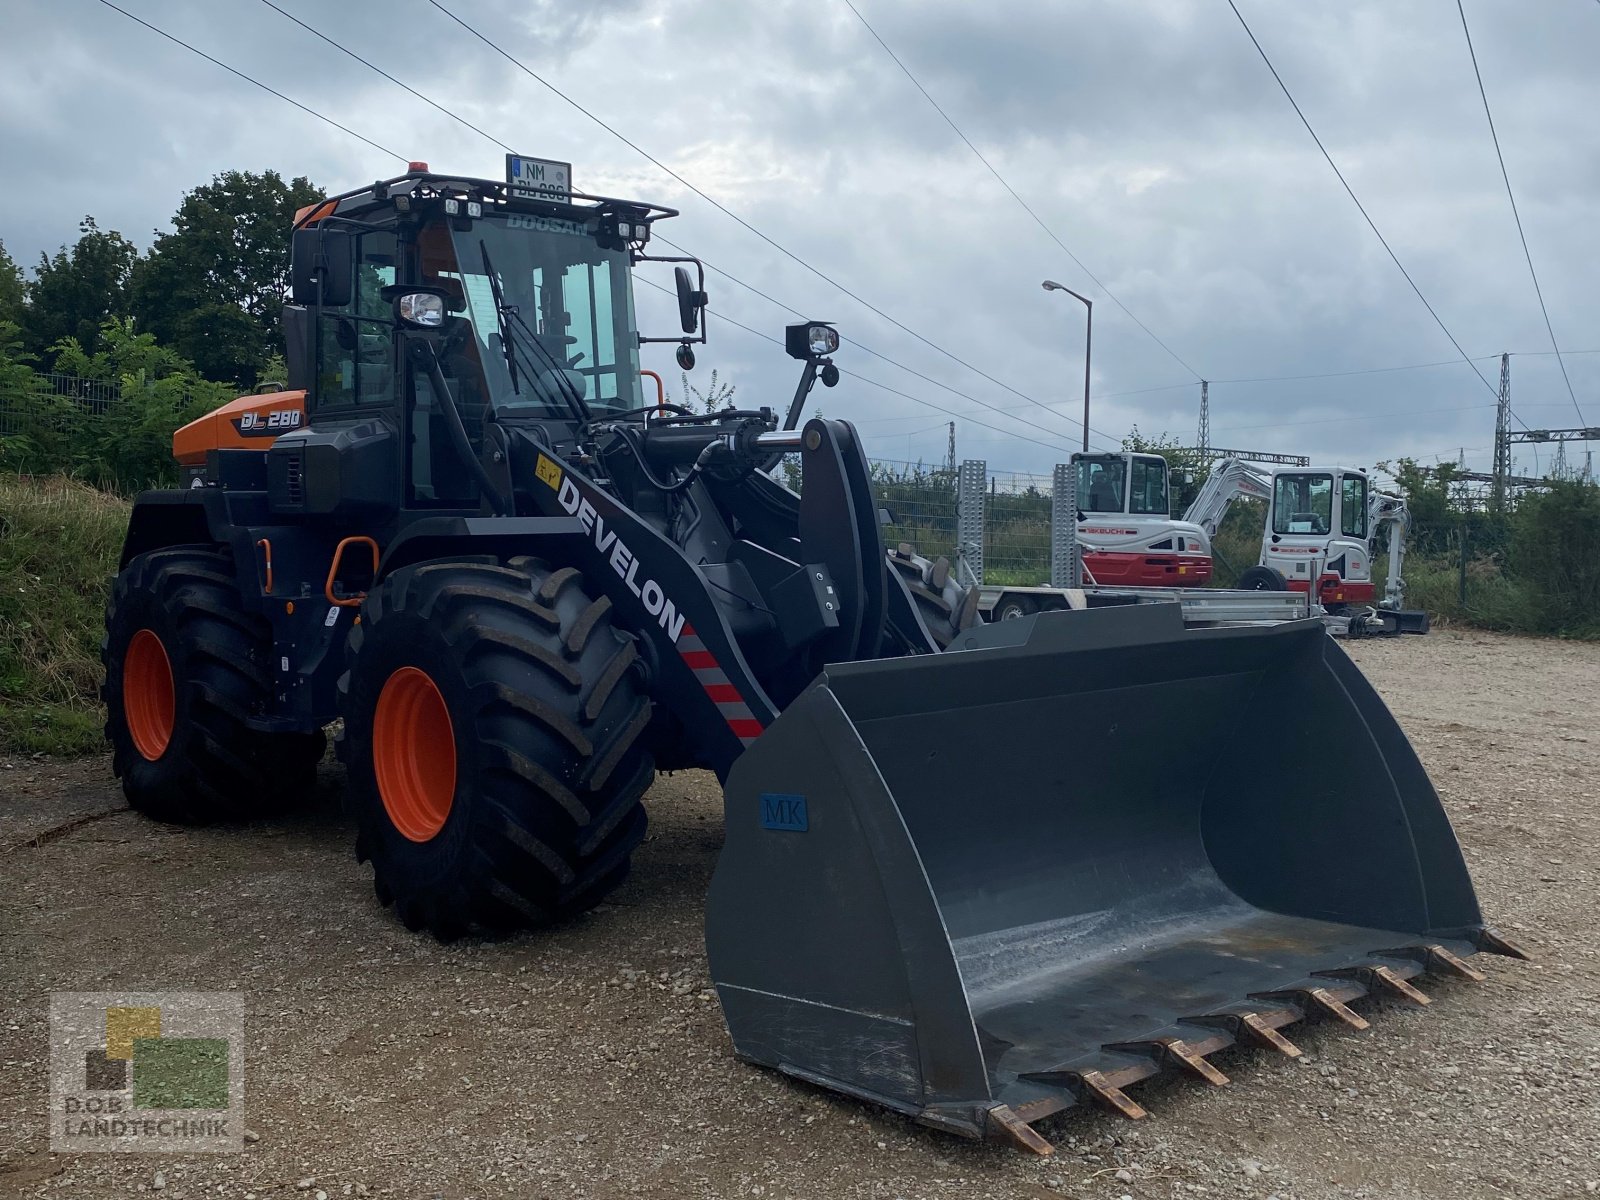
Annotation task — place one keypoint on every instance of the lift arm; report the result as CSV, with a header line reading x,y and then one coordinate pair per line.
x,y
1383,509
1229,479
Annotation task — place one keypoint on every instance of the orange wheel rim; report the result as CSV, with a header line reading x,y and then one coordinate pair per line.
x,y
414,754
148,694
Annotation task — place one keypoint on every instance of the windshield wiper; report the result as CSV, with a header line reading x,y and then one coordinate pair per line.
x,y
500,318
510,322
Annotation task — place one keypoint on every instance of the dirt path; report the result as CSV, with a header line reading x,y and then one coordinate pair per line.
x,y
592,1061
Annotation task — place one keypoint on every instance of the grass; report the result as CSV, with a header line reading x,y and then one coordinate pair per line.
x,y
1494,599
59,542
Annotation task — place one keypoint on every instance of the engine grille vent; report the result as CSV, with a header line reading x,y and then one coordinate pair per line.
x,y
294,480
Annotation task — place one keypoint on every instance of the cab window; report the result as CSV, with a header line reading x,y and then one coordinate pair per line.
x,y
355,342
1302,504
1148,487
1102,484
1353,506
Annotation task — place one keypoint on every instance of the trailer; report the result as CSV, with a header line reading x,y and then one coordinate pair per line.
x,y
1073,585
1202,607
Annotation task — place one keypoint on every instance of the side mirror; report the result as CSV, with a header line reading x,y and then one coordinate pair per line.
x,y
322,267
690,301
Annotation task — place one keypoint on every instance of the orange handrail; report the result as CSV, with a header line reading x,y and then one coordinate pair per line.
x,y
661,392
333,571
265,545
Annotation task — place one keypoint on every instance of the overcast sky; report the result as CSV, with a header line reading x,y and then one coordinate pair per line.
x,y
1147,134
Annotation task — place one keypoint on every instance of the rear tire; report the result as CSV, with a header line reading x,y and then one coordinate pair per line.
x,y
186,664
1263,579
516,675
947,608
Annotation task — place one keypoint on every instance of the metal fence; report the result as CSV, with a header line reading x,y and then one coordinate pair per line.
x,y
923,503
86,397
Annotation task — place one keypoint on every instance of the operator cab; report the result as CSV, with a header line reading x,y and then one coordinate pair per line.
x,y
1318,522
429,310
1131,484
1126,528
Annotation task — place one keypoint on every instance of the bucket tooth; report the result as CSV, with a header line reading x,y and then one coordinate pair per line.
x,y
1379,978
1092,1085
1251,1028
1004,1122
1179,1053
1323,1001
1436,958
1489,940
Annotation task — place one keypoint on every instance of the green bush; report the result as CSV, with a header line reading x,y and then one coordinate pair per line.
x,y
1555,551
126,449
59,544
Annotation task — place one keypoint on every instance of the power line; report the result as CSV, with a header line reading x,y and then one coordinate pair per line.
x,y
248,79
373,66
1351,193
726,211
709,266
864,348
873,382
1526,253
917,83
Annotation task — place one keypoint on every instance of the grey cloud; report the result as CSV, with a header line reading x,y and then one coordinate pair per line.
x,y
1146,133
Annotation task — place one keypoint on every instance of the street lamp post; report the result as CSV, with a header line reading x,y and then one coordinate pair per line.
x,y
1050,285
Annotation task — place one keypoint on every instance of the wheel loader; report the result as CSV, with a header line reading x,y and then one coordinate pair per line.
x,y
976,874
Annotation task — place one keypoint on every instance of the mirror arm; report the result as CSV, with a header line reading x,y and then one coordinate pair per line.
x,y
808,380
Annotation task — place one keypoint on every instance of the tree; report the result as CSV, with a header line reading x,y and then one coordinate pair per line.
x,y
129,448
1186,467
1555,548
13,291
213,288
36,428
716,396
75,292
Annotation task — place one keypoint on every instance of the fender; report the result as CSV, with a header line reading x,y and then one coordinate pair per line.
x,y
173,518
499,537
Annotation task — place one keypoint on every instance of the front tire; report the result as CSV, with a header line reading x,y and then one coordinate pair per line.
x,y
494,723
186,665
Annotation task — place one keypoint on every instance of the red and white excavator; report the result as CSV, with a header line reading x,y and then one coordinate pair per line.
x,y
1321,527
1125,524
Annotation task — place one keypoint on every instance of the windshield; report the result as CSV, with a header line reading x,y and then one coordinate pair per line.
x,y
1102,483
565,306
1302,504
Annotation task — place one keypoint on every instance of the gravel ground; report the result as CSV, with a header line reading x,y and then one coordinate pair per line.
x,y
592,1061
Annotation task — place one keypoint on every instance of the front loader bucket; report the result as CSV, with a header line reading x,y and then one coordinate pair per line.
x,y
982,886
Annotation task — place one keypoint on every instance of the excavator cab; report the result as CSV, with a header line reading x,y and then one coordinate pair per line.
x,y
1126,528
1317,522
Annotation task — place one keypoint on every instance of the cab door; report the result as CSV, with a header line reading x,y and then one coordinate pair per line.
x,y
1299,524
1349,554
